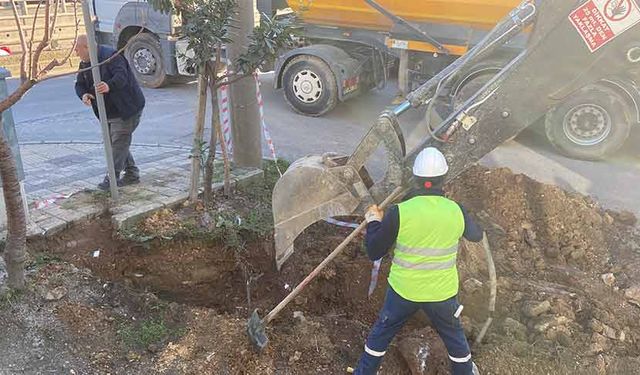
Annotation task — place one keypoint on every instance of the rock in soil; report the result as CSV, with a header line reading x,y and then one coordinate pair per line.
x,y
626,218
472,285
609,332
599,344
55,294
543,323
299,315
596,326
564,338
514,328
633,295
608,278
533,309
295,358
601,365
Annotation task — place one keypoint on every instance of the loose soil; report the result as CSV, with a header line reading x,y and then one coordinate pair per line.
x,y
178,304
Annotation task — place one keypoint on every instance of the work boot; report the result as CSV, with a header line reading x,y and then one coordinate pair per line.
x,y
105,185
475,369
129,179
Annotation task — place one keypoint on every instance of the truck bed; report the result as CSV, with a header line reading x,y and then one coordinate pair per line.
x,y
483,14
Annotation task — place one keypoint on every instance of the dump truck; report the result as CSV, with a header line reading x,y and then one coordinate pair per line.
x,y
348,47
573,50
155,46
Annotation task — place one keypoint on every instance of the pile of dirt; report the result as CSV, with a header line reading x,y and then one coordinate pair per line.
x,y
566,269
568,278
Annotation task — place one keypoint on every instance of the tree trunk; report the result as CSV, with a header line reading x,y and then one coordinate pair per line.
x,y
245,127
16,220
196,154
215,123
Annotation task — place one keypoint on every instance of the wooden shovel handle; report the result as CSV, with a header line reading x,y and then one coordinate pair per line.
x,y
273,313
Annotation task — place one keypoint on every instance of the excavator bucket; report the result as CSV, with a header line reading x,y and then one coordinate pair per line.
x,y
316,188
307,192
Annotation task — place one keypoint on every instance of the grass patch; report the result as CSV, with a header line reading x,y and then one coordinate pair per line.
x,y
43,259
9,298
151,331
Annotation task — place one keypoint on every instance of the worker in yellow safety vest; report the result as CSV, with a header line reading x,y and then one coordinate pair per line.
x,y
423,231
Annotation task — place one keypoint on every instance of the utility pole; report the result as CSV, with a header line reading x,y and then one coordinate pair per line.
x,y
102,112
245,124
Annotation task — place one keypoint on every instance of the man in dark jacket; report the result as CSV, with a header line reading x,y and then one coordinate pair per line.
x,y
124,103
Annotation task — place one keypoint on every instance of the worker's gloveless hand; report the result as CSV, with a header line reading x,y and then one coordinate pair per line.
x,y
87,98
102,88
374,213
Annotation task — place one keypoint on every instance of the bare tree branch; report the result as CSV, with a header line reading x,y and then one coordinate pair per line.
x,y
47,19
16,95
44,42
75,35
31,37
55,63
55,18
23,43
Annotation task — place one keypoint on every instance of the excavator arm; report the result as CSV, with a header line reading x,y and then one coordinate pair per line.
x,y
572,44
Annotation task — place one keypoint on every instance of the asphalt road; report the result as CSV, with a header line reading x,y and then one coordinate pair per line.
x,y
51,112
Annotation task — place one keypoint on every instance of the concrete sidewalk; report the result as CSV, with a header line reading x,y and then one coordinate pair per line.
x,y
61,178
64,168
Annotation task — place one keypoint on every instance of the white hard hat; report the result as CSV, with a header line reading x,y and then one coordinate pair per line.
x,y
430,163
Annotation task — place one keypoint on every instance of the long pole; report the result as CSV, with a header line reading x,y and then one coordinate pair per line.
x,y
102,112
298,289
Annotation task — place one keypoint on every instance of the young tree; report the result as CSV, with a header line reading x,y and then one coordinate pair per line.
x,y
31,72
207,25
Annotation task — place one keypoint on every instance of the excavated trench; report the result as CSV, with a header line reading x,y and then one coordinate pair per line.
x,y
551,250
208,274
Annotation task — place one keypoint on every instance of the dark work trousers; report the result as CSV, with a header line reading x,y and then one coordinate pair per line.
x,y
121,132
444,317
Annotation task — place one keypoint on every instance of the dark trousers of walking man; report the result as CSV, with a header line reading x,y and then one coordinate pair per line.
x,y
121,132
124,103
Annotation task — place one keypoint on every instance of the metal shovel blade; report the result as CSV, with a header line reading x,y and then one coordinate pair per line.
x,y
256,331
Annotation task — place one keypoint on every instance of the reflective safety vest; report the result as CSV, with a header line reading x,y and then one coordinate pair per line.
x,y
424,262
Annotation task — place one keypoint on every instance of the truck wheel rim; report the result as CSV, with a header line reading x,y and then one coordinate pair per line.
x,y
587,125
144,62
307,86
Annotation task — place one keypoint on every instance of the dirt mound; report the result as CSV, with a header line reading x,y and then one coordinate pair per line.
x,y
567,272
563,267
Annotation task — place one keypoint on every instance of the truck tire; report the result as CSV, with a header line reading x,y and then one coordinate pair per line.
x,y
145,57
470,86
310,86
591,124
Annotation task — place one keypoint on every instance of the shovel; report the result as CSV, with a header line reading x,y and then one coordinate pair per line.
x,y
256,326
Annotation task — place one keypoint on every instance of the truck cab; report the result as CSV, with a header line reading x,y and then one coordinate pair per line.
x,y
150,37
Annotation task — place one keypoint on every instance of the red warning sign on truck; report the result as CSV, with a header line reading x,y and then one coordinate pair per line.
x,y
600,21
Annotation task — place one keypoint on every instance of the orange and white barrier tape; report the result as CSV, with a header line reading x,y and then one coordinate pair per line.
x,y
225,116
267,135
48,202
